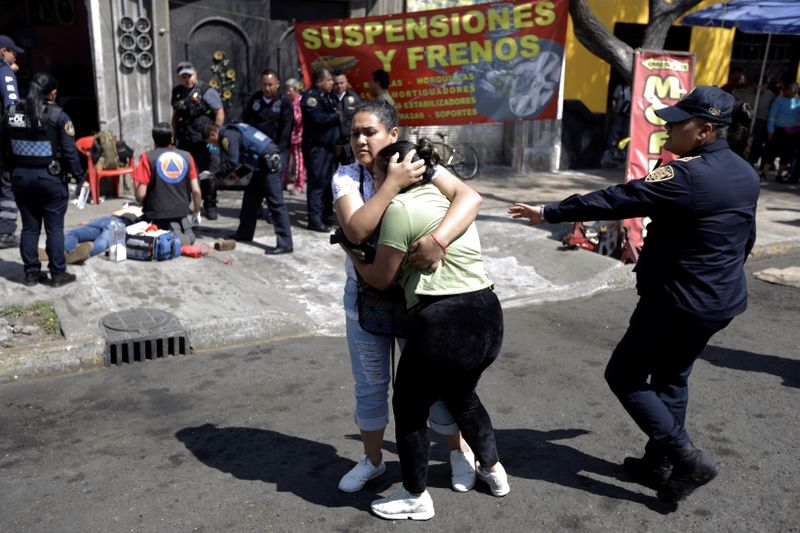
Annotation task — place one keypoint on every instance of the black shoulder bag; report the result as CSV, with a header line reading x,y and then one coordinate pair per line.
x,y
380,312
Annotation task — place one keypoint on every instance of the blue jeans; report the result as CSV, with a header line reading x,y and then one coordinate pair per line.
x,y
96,231
370,360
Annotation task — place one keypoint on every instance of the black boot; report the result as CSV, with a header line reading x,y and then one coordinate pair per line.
x,y
651,470
691,468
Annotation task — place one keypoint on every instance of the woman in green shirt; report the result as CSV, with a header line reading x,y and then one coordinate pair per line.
x,y
455,332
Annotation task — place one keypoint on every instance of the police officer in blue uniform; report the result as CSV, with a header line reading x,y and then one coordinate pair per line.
x,y
40,148
195,104
346,101
10,95
270,111
690,275
244,149
321,132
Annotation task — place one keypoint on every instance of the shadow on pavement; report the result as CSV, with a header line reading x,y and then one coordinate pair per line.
x,y
787,369
310,470
532,454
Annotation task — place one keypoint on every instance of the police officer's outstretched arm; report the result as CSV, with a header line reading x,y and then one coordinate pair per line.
x,y
667,188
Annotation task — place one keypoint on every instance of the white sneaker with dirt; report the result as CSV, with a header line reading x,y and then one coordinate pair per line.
x,y
357,477
462,467
497,480
403,505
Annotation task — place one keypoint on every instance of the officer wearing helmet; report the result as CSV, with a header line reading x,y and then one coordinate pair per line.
x,y
690,275
39,149
243,150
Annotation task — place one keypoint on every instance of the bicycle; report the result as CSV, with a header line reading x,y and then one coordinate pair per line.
x,y
462,159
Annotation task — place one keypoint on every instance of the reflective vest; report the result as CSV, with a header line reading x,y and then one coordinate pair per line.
x,y
256,145
170,189
33,145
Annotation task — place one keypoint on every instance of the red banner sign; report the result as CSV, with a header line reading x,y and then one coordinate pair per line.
x,y
659,80
484,63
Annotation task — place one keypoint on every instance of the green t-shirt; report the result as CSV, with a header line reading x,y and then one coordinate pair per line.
x,y
411,216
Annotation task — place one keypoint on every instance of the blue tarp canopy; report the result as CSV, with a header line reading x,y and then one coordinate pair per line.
x,y
750,16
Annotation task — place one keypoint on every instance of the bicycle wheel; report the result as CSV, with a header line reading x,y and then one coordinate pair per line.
x,y
461,161
465,162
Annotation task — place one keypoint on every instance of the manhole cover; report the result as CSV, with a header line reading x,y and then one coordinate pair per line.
x,y
139,320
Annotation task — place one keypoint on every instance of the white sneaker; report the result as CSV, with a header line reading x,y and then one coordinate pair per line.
x,y
462,467
497,480
403,505
357,477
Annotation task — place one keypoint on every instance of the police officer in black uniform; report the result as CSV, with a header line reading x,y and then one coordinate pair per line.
x,y
270,111
321,132
10,95
690,275
244,149
194,105
346,101
39,149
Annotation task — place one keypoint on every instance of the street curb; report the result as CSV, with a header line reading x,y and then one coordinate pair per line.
x,y
775,248
54,357
60,357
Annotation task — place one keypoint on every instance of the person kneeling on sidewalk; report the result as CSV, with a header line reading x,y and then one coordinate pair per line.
x,y
166,180
245,149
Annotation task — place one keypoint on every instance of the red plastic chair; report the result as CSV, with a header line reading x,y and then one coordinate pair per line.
x,y
84,146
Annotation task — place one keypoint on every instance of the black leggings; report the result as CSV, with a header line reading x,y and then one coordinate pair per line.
x,y
451,341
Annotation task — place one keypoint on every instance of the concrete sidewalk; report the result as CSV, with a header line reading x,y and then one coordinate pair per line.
x,y
245,296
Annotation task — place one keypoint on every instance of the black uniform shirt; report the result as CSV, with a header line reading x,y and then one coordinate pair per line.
x,y
320,120
274,117
703,223
230,151
347,105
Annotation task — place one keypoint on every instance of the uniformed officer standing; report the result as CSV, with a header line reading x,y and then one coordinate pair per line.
x,y
40,146
321,132
690,275
270,111
346,101
194,105
10,95
245,149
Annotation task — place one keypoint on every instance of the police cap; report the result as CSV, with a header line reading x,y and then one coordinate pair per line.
x,y
184,67
8,42
707,102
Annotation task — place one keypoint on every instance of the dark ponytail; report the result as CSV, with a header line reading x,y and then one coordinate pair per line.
x,y
42,84
425,152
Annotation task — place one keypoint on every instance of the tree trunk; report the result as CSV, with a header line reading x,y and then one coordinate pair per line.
x,y
662,15
598,40
601,42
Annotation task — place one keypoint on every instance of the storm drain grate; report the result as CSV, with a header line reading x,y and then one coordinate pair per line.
x,y
141,334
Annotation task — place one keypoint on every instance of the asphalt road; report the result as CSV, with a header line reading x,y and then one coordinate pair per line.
x,y
256,438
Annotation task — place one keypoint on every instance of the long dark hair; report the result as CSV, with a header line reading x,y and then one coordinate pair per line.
x,y
425,152
42,84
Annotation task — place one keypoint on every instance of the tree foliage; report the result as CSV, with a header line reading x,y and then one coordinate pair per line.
x,y
601,42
